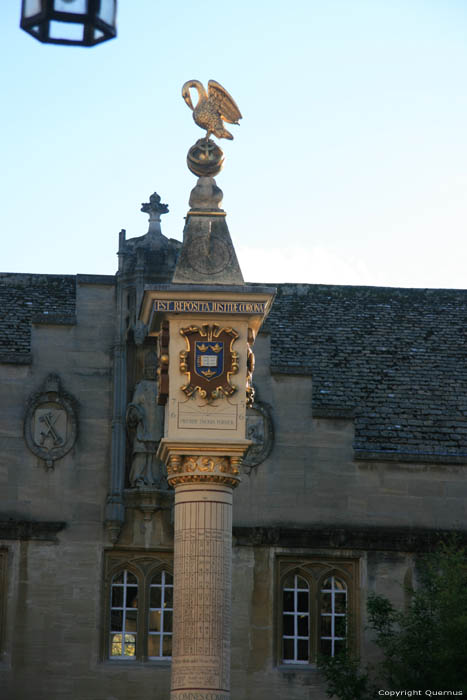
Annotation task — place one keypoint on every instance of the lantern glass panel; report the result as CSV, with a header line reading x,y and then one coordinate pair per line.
x,y
31,8
76,7
107,11
66,30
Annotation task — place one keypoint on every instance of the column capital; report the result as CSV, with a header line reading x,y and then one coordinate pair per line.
x,y
203,462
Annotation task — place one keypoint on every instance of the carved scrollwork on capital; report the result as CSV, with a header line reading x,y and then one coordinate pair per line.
x,y
174,465
200,478
195,469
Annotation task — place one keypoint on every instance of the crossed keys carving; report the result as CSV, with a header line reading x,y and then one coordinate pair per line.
x,y
49,419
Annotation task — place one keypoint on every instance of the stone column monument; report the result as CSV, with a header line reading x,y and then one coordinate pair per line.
x,y
205,323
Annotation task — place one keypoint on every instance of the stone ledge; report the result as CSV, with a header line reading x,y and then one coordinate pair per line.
x,y
14,358
30,530
415,457
377,538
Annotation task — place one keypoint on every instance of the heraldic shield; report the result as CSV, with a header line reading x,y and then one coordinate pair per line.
x,y
209,361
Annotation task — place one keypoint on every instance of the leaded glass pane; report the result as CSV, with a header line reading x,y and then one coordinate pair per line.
x,y
157,579
288,647
154,645
117,596
116,620
168,598
288,599
155,597
132,597
302,602
326,625
130,645
302,650
340,626
155,621
167,621
116,645
289,625
340,600
302,624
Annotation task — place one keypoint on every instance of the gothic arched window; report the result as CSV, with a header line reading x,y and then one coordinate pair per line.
x,y
317,606
138,618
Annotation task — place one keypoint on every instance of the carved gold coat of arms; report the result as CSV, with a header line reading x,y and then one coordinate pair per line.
x,y
209,361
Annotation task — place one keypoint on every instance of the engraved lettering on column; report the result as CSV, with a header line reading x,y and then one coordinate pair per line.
x,y
202,565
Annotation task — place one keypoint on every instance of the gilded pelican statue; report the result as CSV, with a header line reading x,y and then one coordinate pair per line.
x,y
213,108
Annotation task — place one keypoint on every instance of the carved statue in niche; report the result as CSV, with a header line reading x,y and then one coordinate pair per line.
x,y
145,423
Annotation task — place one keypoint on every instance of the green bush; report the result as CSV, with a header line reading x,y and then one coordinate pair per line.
x,y
424,647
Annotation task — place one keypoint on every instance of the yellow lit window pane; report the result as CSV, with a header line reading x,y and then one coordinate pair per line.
x,y
116,645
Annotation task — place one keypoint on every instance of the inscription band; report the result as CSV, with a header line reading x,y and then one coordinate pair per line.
x,y
209,306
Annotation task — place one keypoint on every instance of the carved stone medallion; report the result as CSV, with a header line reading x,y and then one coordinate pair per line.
x,y
50,423
260,430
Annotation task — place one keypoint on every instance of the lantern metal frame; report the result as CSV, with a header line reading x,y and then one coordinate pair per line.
x,y
95,29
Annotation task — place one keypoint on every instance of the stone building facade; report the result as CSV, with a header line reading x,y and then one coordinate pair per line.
x,y
358,463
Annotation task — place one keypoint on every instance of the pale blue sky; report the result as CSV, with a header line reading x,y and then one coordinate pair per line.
x,y
349,167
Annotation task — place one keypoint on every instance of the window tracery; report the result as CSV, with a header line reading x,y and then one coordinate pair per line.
x,y
317,608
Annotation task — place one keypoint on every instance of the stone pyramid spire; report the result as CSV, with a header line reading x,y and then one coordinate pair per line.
x,y
207,255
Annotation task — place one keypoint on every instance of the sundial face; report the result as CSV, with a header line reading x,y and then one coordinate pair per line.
x,y
209,254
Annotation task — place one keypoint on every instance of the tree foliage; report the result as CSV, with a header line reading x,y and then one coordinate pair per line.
x,y
424,646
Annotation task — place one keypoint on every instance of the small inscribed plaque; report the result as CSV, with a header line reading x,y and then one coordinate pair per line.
x,y
198,418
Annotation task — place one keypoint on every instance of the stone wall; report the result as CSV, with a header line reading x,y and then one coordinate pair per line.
x,y
313,497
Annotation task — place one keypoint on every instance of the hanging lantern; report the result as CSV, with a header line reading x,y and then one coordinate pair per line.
x,y
71,22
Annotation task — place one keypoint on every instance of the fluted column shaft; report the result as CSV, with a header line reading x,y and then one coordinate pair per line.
x,y
202,576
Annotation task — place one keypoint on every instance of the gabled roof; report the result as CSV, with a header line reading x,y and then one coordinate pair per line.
x,y
395,359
